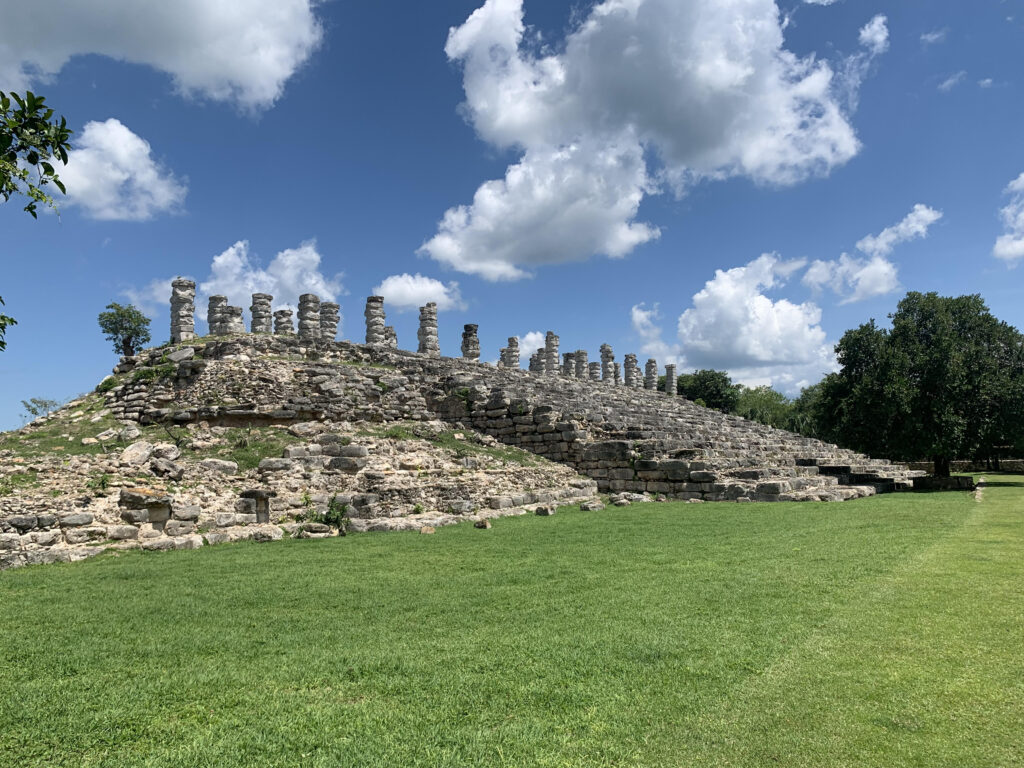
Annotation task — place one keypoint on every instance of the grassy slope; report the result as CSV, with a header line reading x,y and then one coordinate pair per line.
x,y
881,632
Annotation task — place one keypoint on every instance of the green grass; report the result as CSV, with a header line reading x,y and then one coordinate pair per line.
x,y
884,632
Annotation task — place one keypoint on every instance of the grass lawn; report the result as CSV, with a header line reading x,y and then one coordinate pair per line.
x,y
881,632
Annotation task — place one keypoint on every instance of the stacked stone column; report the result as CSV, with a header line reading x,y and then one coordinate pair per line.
x,y
470,342
551,353
216,315
390,337
261,314
283,322
569,364
580,356
651,374
632,372
537,362
375,321
670,380
183,310
594,369
233,322
330,317
607,364
617,374
510,354
309,317
427,333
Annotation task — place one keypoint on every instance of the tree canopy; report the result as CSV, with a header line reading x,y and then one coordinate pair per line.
x,y
5,322
946,381
30,143
712,388
126,327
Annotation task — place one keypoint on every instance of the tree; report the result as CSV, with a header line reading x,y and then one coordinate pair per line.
x,y
765,405
713,388
5,322
39,406
126,327
946,381
804,416
29,145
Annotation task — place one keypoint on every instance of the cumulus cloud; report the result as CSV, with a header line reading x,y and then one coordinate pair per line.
x,y
292,272
1010,245
914,225
952,81
235,273
646,326
875,35
734,326
854,278
405,292
112,175
642,96
239,52
529,343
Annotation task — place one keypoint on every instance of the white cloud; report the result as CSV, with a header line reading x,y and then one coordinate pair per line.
x,y
645,325
875,35
699,90
734,326
952,81
242,51
856,279
405,292
914,225
111,175
1010,245
821,2
291,273
985,82
933,37
853,278
530,343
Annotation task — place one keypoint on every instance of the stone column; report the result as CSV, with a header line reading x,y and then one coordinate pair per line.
x,y
537,362
427,334
374,315
283,322
470,343
233,322
309,317
651,374
569,364
551,353
618,374
390,337
607,364
581,363
510,354
594,369
632,372
259,311
215,315
330,316
183,310
670,380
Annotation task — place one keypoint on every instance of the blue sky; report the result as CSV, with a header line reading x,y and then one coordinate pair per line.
x,y
720,183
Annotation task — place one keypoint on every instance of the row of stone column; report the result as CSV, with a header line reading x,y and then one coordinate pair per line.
x,y
317,320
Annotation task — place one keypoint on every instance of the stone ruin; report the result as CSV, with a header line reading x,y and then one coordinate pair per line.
x,y
601,435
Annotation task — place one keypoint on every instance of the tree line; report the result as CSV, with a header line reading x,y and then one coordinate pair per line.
x,y
944,382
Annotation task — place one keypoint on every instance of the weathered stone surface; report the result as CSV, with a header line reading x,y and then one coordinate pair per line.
x,y
220,465
137,454
75,519
183,324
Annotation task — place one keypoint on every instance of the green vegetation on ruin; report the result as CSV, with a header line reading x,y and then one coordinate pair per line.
x,y
463,444
881,632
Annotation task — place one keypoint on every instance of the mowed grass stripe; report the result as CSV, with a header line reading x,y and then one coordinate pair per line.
x,y
925,668
624,637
